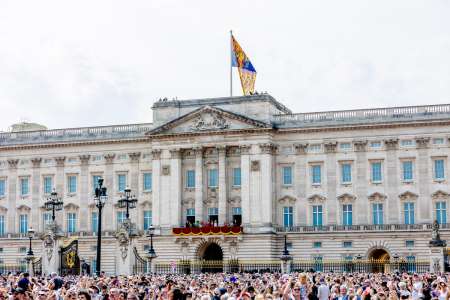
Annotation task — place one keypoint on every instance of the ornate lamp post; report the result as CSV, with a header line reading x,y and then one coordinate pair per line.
x,y
286,257
53,203
30,254
151,252
128,202
100,200
396,257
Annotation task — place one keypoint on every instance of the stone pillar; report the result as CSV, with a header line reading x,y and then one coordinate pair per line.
x,y
199,211
423,179
300,183
362,212
266,186
85,196
222,185
50,254
12,195
35,193
245,184
156,188
332,202
108,210
436,259
124,253
175,187
392,182
134,181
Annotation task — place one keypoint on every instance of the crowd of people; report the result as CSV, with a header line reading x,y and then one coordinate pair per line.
x,y
321,286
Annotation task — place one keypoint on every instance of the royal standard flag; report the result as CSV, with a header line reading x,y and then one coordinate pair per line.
x,y
247,72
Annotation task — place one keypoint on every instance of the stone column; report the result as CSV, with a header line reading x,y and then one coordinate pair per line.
x,y
108,209
175,187
199,211
85,196
266,186
134,182
392,182
222,185
12,194
332,202
423,179
36,192
362,203
245,184
156,188
300,183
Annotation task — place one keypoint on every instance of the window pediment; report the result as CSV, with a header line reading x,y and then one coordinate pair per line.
x,y
439,194
408,196
346,197
287,200
188,201
235,201
377,197
316,198
71,206
23,208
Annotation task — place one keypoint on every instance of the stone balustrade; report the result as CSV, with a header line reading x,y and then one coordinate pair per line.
x,y
361,228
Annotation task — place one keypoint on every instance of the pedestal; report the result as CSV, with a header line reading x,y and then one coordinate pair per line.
x,y
125,259
286,263
50,258
436,259
30,267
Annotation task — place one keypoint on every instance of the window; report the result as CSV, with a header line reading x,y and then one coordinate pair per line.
x,y
316,174
72,184
288,219
347,214
407,143
94,221
407,170
409,244
190,178
441,212
237,177
287,175
347,244
46,219
213,215
408,209
2,224
23,223
24,188
237,216
438,141
377,211
121,217
375,144
2,187
317,245
376,172
345,146
147,182
147,219
212,178
121,182
48,184
346,173
439,169
95,179
317,215
71,222
190,216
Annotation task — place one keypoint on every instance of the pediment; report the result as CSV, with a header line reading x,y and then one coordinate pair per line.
x,y
346,197
377,197
71,206
287,200
408,195
208,119
316,198
23,207
439,194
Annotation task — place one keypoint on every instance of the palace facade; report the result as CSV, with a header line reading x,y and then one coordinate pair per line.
x,y
228,178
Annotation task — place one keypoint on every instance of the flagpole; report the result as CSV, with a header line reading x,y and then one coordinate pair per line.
x,y
231,63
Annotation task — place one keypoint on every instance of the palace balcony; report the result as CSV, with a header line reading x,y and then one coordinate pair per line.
x,y
208,230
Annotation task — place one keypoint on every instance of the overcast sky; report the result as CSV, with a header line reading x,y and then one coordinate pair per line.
x,y
82,63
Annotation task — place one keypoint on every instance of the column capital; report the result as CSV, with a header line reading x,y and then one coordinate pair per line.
x,y
267,148
175,153
156,154
13,163
422,142
222,149
84,158
36,161
134,156
300,148
198,151
109,157
245,149
391,144
330,146
60,161
360,145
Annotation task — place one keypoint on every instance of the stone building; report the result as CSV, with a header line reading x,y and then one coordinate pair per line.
x,y
339,184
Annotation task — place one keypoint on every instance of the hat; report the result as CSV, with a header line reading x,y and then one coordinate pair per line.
x,y
222,291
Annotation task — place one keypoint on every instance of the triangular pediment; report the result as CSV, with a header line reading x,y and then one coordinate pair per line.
x,y
208,119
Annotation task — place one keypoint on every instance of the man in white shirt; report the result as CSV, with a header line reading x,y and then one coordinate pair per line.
x,y
323,292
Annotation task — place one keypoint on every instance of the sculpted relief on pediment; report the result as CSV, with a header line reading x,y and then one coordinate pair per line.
x,y
209,121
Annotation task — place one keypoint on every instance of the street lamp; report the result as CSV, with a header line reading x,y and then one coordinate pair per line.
x,y
127,202
151,252
286,257
53,203
30,254
100,199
